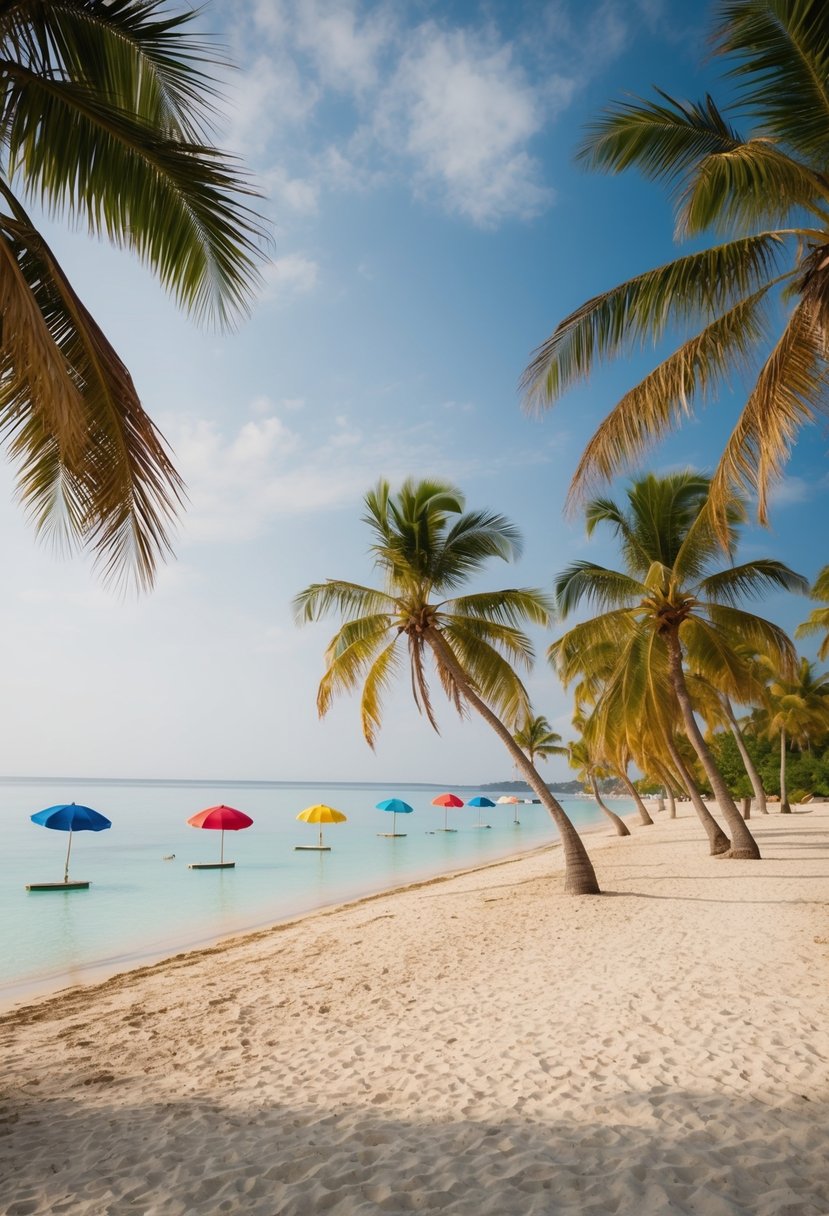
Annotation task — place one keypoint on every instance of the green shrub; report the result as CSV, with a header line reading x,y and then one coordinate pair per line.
x,y
799,795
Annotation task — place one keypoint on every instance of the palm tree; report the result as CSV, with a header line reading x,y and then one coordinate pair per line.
x,y
797,710
670,599
427,546
536,738
583,759
765,197
105,119
818,619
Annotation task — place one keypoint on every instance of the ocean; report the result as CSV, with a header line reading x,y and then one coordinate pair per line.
x,y
140,907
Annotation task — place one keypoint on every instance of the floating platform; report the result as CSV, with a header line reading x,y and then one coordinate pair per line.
x,y
392,835
312,848
57,886
211,865
446,829
482,825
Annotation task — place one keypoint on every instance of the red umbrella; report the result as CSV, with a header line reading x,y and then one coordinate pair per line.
x,y
222,819
447,800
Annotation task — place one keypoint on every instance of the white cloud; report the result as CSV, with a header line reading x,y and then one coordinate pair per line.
x,y
464,112
293,274
344,44
298,194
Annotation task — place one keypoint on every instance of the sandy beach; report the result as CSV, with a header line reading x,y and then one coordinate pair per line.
x,y
476,1045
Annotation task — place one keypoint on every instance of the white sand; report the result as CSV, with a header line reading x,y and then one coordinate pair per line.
x,y
481,1045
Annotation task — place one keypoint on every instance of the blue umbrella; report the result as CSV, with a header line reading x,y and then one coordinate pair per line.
x,y
397,807
479,802
69,817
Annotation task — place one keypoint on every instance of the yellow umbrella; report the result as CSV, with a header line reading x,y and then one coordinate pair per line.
x,y
320,814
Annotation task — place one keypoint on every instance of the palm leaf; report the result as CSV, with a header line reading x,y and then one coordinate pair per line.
x,y
781,65
753,578
639,312
512,606
378,678
337,596
703,365
789,388
584,581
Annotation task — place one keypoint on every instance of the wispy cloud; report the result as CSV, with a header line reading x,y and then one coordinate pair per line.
x,y
293,274
449,108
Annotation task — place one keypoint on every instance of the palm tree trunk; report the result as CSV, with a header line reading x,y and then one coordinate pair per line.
x,y
621,827
717,839
785,809
743,844
748,763
579,875
634,793
671,801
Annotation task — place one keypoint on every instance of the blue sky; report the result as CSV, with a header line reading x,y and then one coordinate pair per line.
x,y
430,228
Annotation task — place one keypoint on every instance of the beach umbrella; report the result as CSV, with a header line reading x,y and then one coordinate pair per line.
x,y
479,802
219,819
397,807
68,817
320,814
447,800
513,801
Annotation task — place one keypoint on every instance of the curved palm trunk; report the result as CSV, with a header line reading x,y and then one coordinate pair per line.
x,y
748,763
634,793
621,827
785,809
743,844
717,839
579,875
671,801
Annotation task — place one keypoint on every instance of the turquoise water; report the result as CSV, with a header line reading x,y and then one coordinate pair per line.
x,y
140,907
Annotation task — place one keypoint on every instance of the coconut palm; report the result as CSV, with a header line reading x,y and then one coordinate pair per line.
x,y
671,598
714,705
797,709
538,740
818,619
105,120
584,760
427,546
765,197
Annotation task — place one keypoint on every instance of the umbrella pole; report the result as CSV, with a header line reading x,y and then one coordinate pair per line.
x,y
66,867
222,849
445,818
320,839
394,823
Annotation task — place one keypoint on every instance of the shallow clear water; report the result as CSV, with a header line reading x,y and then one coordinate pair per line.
x,y
140,907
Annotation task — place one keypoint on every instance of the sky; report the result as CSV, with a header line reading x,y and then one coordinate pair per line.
x,y
430,228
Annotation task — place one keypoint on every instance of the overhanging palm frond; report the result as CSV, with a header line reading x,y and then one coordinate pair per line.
x,y
790,387
740,630
639,311
663,139
92,468
702,366
780,56
469,543
511,642
751,186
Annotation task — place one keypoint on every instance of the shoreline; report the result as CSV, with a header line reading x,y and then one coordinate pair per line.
x,y
21,996
476,1045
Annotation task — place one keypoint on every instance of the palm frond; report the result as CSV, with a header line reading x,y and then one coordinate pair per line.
x,y
780,55
638,313
736,629
512,606
584,581
752,578
377,681
80,155
347,664
92,468
754,185
337,596
816,622
490,674
788,389
701,366
511,642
